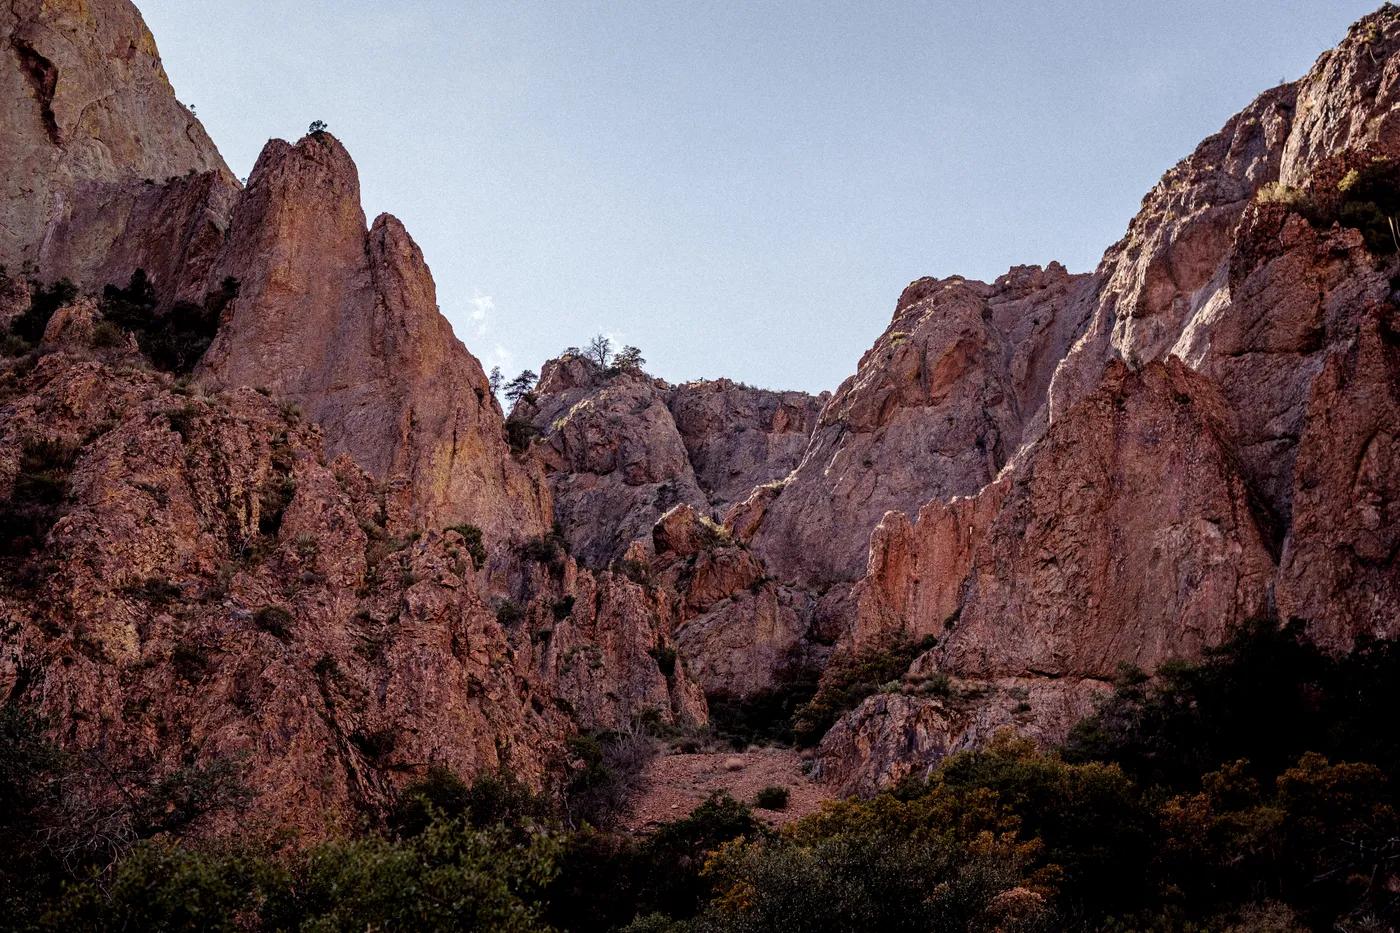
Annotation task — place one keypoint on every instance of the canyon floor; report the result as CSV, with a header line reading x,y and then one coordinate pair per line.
x,y
673,785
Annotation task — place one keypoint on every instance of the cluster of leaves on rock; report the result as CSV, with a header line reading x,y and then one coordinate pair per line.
x,y
176,340
1249,793
1354,189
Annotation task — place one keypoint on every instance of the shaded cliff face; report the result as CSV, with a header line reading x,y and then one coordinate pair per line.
x,y
623,448
96,144
344,321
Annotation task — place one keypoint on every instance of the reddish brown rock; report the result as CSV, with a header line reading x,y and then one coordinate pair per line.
x,y
1127,537
1348,100
345,323
1340,571
614,458
737,437
905,733
936,409
215,593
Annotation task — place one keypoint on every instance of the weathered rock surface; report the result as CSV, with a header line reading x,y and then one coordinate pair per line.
x,y
614,458
217,592
738,438
344,322
1341,567
936,408
1262,477
102,170
892,736
622,448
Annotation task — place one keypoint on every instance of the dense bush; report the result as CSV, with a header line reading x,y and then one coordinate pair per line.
x,y
39,493
1169,834
846,684
176,340
29,327
475,541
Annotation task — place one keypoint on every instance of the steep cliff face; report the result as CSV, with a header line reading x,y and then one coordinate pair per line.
x,y
738,438
1248,474
622,448
96,145
614,458
344,321
936,408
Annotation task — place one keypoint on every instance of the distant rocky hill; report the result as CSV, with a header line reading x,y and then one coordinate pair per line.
x,y
321,554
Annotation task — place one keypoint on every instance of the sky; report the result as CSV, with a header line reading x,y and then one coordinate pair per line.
x,y
738,188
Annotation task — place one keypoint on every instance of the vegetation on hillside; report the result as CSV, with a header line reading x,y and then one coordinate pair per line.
x,y
1253,792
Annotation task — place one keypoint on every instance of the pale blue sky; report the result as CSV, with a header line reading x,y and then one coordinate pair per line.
x,y
738,188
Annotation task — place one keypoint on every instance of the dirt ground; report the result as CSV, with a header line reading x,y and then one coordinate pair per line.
x,y
673,785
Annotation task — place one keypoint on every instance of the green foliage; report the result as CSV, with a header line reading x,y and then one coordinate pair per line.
x,y
475,541
1366,197
520,434
665,657
511,613
44,301
628,360
766,716
675,854
771,798
1267,696
491,799
176,340
847,683
550,549
40,491
447,879
159,887
604,772
521,386
563,608
274,620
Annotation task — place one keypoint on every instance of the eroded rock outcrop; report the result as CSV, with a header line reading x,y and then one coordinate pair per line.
x,y
1341,567
936,409
344,321
738,437
102,170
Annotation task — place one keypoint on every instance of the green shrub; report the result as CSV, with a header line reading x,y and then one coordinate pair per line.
x,y
40,491
520,434
493,798
550,549
847,683
276,621
106,336
665,659
476,543
771,798
511,613
43,302
174,341
563,608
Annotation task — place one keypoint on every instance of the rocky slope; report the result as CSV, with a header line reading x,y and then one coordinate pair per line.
x,y
206,590
1037,480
